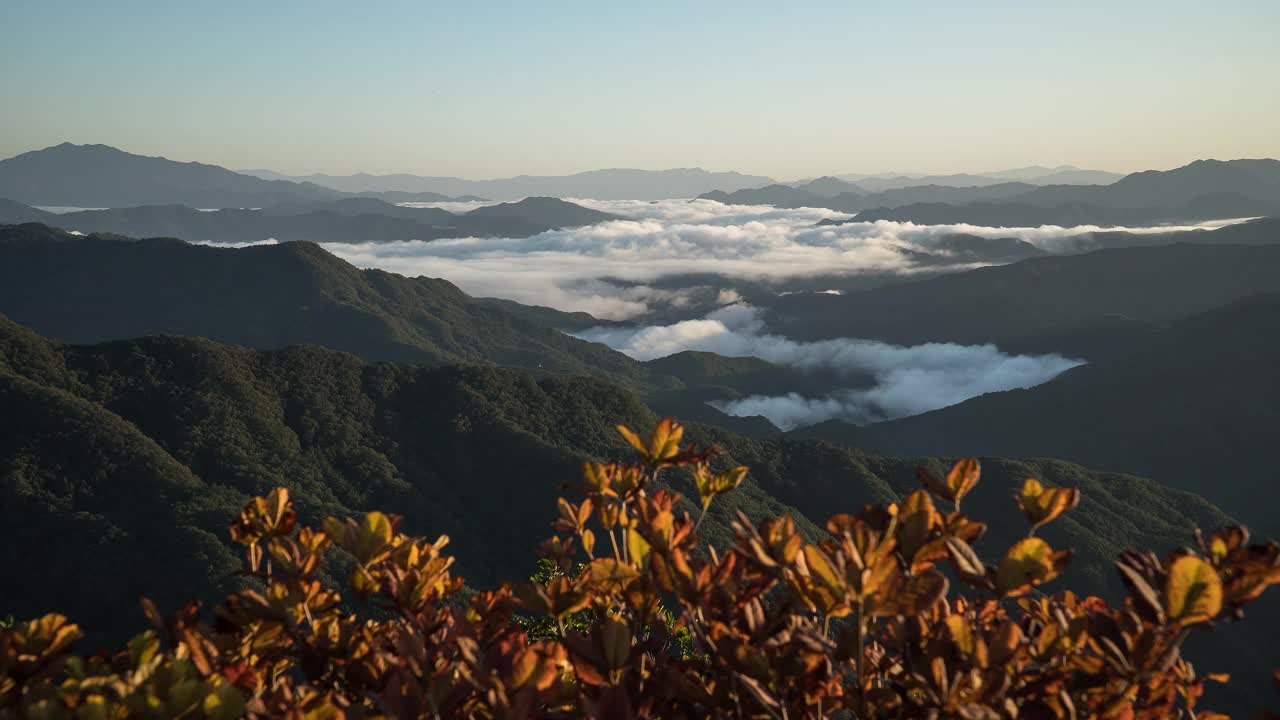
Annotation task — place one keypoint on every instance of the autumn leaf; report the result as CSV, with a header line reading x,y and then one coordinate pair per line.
x,y
1041,505
1029,562
962,478
1193,592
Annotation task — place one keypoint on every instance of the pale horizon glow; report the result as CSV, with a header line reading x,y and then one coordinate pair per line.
x,y
490,90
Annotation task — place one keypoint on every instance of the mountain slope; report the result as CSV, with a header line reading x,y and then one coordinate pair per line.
x,y
1086,305
12,212
94,289
547,211
354,219
1254,179
1197,403
169,435
1018,212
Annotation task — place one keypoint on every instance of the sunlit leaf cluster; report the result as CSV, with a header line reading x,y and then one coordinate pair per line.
x,y
899,611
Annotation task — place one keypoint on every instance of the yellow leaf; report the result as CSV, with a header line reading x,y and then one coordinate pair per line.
x,y
588,541
224,703
609,573
821,566
634,440
637,546
665,442
1040,504
709,486
372,536
1193,593
1029,562
963,477
917,521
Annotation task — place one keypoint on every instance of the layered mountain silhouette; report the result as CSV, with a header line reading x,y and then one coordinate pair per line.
x,y
100,176
610,184
847,197
1034,174
92,289
96,288
1202,190
353,219
1087,305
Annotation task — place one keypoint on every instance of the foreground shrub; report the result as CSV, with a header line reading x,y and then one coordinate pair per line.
x,y
630,617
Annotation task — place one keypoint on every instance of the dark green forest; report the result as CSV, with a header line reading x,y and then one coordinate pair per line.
x,y
136,454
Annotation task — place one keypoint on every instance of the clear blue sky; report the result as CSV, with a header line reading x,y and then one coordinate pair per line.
x,y
483,89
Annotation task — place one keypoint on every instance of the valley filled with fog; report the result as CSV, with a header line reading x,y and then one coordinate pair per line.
x,y
700,275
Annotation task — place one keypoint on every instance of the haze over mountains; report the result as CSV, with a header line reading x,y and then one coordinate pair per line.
x,y
612,184
1202,190
630,184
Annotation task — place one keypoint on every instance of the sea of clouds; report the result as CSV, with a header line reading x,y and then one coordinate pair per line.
x,y
907,380
608,269
612,270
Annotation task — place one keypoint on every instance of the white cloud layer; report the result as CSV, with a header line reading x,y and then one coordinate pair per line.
x,y
907,380
564,268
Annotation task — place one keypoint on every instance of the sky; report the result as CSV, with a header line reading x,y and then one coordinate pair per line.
x,y
482,89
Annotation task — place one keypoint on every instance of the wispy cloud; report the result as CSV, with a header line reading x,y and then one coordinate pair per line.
x,y
907,380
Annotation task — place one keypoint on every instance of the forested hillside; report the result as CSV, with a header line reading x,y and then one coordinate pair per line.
x,y
163,439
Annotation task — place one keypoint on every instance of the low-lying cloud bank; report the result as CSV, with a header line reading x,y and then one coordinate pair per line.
x,y
907,380
608,269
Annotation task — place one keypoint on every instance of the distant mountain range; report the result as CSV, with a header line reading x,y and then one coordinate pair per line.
x,y
100,176
349,219
612,184
1203,190
836,194
1034,175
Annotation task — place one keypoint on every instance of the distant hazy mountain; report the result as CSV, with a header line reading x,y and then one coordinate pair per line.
x,y
1060,175
1034,175
1203,190
1018,212
102,176
828,186
543,210
1257,180
612,184
789,197
848,197
890,182
15,212
351,219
